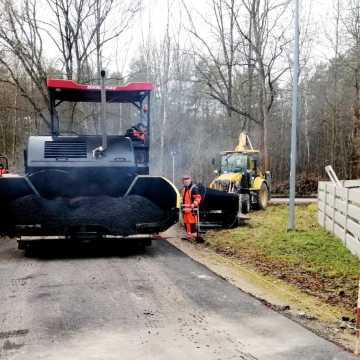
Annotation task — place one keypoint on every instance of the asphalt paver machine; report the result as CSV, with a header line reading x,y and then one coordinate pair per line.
x,y
88,184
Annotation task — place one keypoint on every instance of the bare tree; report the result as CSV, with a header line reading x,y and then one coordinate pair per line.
x,y
336,83
20,39
252,41
164,64
268,44
220,69
76,29
352,25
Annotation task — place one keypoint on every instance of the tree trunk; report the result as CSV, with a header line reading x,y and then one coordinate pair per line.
x,y
265,112
306,133
162,134
335,110
355,156
265,137
14,140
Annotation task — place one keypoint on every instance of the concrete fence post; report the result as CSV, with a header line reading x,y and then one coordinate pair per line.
x,y
325,202
346,214
333,212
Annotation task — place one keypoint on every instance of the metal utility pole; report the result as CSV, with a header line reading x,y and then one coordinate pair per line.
x,y
103,112
295,111
173,153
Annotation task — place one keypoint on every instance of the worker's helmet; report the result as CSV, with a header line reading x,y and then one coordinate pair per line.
x,y
140,126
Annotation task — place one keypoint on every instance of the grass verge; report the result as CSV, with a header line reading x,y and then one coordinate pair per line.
x,y
309,258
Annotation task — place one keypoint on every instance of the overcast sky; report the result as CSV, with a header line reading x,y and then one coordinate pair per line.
x,y
317,18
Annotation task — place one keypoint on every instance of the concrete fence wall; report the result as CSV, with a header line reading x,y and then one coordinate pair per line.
x,y
339,211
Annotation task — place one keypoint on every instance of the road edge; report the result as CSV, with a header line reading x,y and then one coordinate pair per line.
x,y
316,316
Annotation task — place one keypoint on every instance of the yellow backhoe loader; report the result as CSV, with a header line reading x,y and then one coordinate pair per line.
x,y
239,173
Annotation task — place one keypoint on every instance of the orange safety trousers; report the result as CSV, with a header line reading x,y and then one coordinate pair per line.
x,y
189,217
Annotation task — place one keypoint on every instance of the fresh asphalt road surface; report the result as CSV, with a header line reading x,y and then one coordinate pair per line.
x,y
104,302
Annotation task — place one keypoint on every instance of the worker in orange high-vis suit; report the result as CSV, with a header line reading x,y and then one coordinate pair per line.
x,y
191,199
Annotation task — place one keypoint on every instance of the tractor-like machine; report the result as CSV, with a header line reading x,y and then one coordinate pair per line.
x,y
88,185
240,174
239,187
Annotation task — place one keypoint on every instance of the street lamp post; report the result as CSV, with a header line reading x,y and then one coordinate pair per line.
x,y
295,110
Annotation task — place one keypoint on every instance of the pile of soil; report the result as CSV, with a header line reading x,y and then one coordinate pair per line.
x,y
119,215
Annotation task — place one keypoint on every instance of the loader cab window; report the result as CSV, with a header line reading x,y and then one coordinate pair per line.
x,y
233,163
3,163
253,164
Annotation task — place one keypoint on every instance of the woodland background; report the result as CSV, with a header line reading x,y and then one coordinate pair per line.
x,y
218,69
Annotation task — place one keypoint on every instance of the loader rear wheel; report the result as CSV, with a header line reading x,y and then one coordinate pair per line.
x,y
263,197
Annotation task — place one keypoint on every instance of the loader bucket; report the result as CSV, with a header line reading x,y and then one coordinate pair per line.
x,y
218,207
150,205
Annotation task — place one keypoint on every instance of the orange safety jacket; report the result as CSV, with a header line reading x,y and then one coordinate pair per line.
x,y
3,171
190,198
139,135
